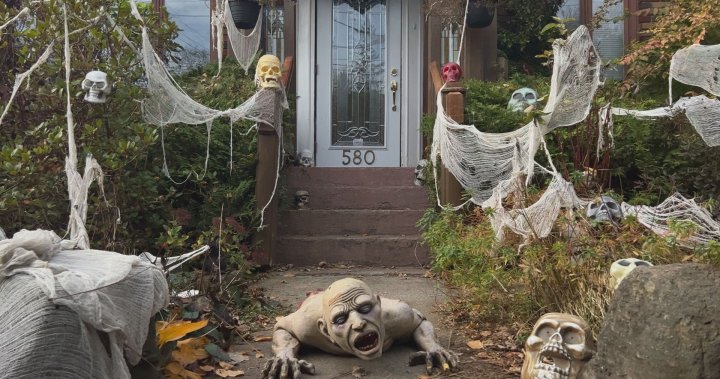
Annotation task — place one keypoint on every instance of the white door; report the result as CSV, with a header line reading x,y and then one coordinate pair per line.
x,y
358,88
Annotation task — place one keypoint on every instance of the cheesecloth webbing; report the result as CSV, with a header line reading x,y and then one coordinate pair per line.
x,y
56,301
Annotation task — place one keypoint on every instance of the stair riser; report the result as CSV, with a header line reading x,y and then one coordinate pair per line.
x,y
312,222
357,177
365,198
369,251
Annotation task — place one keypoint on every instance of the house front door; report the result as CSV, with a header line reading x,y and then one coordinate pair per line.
x,y
358,83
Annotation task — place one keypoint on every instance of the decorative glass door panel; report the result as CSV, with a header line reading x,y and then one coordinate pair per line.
x,y
358,99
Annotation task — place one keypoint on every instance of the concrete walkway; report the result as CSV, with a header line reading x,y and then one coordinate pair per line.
x,y
408,284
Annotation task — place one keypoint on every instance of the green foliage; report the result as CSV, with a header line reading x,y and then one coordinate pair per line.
x,y
146,211
680,24
520,24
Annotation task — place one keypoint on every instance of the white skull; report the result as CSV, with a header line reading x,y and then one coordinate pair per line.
x,y
420,172
622,267
302,199
521,99
96,86
267,72
306,158
558,348
604,209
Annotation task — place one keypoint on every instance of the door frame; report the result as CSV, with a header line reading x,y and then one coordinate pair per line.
x,y
411,84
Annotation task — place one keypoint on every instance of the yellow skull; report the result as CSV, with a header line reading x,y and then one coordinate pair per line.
x,y
267,72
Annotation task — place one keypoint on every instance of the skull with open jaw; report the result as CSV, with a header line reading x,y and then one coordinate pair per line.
x,y
558,348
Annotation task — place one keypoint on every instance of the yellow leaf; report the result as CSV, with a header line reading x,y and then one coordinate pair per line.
x,y
174,369
229,373
178,329
190,351
263,338
475,344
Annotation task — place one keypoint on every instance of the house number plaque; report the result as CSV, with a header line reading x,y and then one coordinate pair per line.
x,y
357,157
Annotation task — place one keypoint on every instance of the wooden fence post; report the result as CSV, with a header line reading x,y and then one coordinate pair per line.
x,y
454,101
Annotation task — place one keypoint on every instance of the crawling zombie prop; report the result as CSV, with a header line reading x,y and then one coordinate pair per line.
x,y
347,318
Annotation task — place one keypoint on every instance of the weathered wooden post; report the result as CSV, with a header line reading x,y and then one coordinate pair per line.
x,y
266,172
453,96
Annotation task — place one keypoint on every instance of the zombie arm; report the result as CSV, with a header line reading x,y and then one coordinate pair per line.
x,y
431,353
284,364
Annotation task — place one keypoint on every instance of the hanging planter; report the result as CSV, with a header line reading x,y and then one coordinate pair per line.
x,y
245,13
479,16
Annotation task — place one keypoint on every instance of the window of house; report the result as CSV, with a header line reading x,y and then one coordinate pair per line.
x,y
274,32
450,42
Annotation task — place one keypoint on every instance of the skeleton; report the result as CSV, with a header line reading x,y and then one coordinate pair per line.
x,y
622,267
347,318
451,72
96,87
605,209
302,199
420,172
521,99
306,158
267,72
558,348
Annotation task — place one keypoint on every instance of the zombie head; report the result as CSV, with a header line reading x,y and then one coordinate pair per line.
x,y
352,318
622,267
521,99
558,348
451,72
267,72
420,172
96,87
604,209
302,199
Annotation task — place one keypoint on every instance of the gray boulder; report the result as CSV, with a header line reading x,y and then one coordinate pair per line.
x,y
663,322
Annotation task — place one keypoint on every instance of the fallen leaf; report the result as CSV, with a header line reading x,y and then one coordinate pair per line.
x,y
259,354
176,370
207,368
475,344
217,352
225,365
178,329
485,333
263,338
190,351
359,372
239,357
229,373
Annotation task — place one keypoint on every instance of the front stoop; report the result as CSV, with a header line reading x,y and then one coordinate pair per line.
x,y
355,215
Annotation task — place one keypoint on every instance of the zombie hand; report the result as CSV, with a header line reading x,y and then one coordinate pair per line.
x,y
439,357
284,367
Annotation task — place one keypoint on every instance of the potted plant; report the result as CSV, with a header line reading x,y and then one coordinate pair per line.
x,y
480,14
245,13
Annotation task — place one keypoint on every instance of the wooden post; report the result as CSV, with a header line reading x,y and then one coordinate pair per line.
x,y
265,174
454,102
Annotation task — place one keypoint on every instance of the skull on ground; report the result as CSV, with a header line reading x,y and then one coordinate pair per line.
x,y
622,267
306,158
605,209
558,348
420,172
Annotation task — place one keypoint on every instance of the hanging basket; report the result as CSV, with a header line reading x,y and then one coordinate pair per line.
x,y
245,13
479,16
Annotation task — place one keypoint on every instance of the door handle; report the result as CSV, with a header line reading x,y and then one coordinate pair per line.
x,y
393,88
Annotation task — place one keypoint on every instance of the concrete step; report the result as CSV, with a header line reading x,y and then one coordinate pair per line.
x,y
314,222
380,197
388,250
298,177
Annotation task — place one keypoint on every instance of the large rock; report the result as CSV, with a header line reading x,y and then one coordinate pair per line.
x,y
663,322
